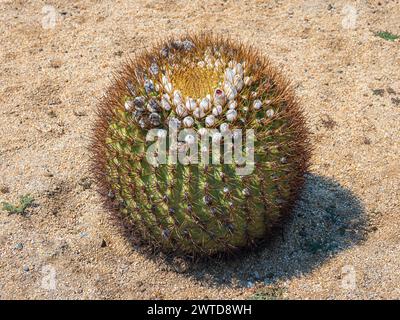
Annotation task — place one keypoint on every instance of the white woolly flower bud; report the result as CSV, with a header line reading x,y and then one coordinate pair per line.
x,y
164,80
153,68
188,122
205,104
232,104
198,113
129,105
217,110
229,75
149,86
238,82
230,91
210,120
224,127
231,115
239,70
188,45
168,87
270,113
153,105
177,100
257,104
155,119
181,110
191,104
219,97
165,103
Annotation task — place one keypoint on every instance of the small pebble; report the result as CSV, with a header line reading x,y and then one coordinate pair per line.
x,y
55,63
378,92
52,114
55,101
4,189
80,113
85,183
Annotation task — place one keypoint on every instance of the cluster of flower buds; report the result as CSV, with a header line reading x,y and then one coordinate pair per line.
x,y
145,113
209,111
217,105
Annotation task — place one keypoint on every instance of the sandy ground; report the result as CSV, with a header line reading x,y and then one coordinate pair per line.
x,y
343,239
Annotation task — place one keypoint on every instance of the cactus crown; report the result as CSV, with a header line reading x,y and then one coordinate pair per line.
x,y
200,82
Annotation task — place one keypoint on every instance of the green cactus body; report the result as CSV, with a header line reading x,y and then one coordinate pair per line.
x,y
200,82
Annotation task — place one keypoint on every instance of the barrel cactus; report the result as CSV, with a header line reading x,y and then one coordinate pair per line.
x,y
206,84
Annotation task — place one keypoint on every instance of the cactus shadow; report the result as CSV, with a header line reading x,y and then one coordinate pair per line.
x,y
326,219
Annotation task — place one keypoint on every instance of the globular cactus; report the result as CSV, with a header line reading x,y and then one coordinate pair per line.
x,y
200,82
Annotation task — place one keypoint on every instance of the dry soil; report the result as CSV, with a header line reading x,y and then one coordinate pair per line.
x,y
343,238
